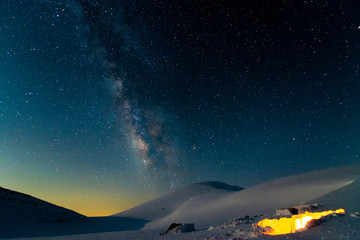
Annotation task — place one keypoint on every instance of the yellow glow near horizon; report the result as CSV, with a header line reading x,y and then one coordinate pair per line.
x,y
85,199
78,191
93,205
88,203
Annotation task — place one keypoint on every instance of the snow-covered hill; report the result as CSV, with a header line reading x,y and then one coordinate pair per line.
x,y
331,188
264,198
212,203
165,205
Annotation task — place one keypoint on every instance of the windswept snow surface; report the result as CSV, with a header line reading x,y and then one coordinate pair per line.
x,y
263,198
331,188
333,228
166,205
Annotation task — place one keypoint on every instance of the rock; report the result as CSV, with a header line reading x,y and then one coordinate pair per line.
x,y
173,226
283,212
176,228
297,209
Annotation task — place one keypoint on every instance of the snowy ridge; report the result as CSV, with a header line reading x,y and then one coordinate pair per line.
x,y
165,205
209,203
221,185
263,198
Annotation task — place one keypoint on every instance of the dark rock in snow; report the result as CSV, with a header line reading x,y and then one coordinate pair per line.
x,y
175,228
172,226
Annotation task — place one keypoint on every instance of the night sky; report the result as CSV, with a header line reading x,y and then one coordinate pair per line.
x,y
107,104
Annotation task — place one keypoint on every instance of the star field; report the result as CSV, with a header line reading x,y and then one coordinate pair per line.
x,y
111,103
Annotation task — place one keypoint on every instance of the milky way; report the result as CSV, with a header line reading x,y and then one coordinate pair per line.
x,y
145,128
124,100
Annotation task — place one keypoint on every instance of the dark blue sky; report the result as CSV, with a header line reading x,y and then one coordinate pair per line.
x,y
109,101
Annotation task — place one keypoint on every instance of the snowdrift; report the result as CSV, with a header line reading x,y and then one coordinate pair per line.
x,y
166,205
325,186
205,204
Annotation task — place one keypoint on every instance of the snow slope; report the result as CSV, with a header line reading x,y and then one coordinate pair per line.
x,y
331,188
165,205
263,198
